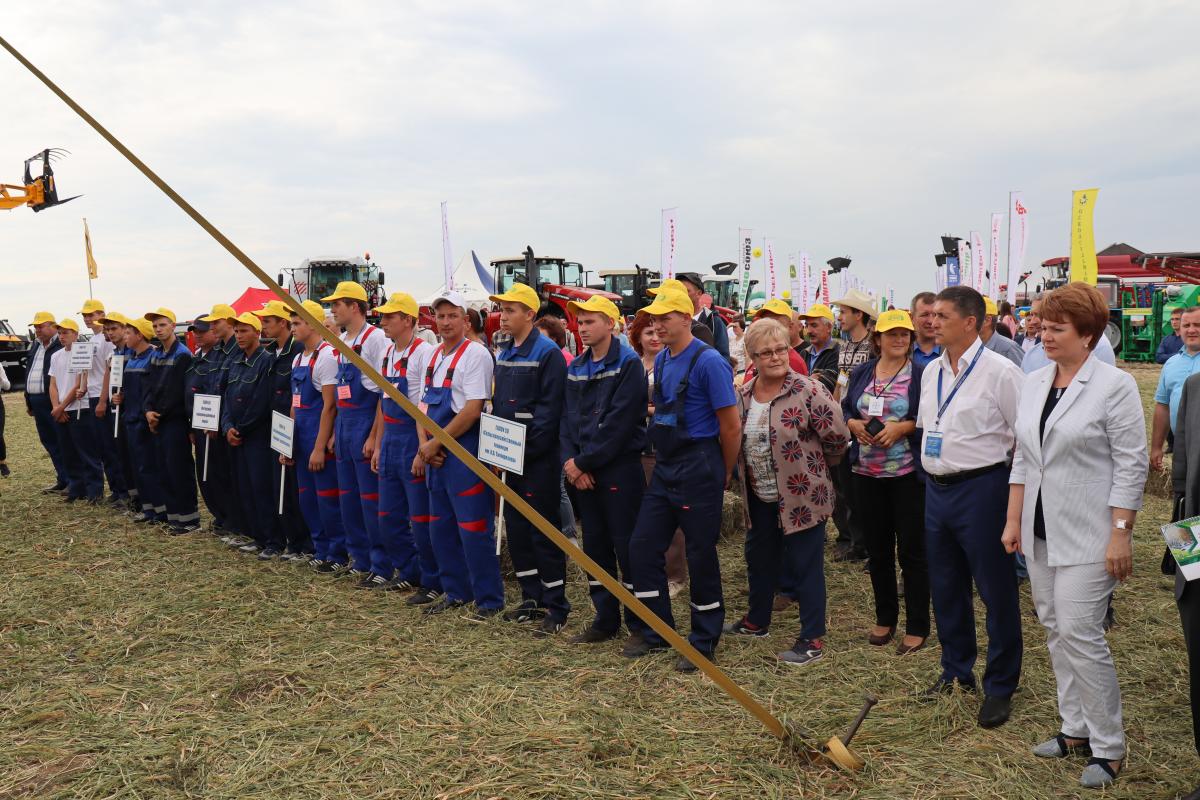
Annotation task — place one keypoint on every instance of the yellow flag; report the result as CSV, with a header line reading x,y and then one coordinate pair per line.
x,y
93,270
1083,238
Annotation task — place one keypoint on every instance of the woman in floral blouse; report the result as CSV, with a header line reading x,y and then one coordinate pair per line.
x,y
792,431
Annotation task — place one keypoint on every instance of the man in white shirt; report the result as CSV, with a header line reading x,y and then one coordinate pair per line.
x,y
37,396
76,428
968,407
102,350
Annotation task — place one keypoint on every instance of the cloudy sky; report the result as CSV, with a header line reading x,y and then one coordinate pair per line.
x,y
313,128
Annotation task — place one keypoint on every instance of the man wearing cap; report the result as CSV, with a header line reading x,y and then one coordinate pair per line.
x,y
314,407
925,348
458,381
282,349
706,316
37,393
116,331
998,344
220,457
855,311
530,377
132,401
357,402
246,426
820,352
696,433
169,424
204,377
77,428
403,497
777,309
602,434
102,350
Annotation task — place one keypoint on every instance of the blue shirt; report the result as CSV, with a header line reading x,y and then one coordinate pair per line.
x,y
1169,346
1036,358
1178,369
921,358
710,387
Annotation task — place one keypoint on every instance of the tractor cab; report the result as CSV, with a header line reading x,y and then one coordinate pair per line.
x,y
630,284
723,290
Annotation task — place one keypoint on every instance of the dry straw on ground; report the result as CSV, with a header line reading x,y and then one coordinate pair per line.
x,y
133,664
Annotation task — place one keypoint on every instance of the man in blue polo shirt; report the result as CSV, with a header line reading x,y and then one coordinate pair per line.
x,y
925,348
696,433
1178,369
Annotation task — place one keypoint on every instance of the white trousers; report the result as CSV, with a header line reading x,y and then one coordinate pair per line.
x,y
1071,603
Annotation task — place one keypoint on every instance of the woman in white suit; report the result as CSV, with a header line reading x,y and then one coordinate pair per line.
x,y
1075,487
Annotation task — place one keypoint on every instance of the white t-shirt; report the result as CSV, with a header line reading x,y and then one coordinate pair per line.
x,y
66,381
427,335
102,348
472,377
418,362
374,345
324,369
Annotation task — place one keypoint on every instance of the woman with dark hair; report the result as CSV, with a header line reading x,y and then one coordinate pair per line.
x,y
1007,318
554,328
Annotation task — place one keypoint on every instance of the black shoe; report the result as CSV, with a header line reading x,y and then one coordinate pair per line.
x,y
683,665
591,635
994,711
323,567
637,647
398,584
527,611
548,627
477,614
249,548
269,554
743,627
444,604
57,488
187,527
371,581
94,501
943,686
4,470
423,597
70,498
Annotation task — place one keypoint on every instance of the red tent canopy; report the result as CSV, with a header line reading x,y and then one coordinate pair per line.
x,y
252,300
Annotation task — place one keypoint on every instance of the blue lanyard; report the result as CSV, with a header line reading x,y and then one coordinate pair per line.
x,y
954,389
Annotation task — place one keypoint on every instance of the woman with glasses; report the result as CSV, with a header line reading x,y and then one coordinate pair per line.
x,y
792,431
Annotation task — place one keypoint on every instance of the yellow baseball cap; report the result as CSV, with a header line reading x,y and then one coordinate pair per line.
x,y
91,306
399,303
42,317
598,304
143,327
989,307
668,301
220,311
819,311
115,316
274,308
519,293
347,290
775,306
69,324
246,318
312,307
670,284
161,312
894,319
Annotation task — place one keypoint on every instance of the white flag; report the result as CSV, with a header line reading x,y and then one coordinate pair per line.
x,y
772,269
667,243
978,262
965,276
1018,240
447,257
745,257
994,255
805,283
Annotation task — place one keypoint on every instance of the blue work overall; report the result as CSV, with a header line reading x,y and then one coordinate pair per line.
x,y
318,490
290,526
220,457
203,377
81,451
359,486
121,440
246,408
173,449
686,491
141,447
462,516
413,561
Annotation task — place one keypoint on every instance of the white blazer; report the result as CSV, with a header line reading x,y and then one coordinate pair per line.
x,y
1092,458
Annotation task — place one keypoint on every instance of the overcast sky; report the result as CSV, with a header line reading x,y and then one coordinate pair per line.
x,y
314,128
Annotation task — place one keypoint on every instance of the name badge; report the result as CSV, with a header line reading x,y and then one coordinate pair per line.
x,y
933,444
875,409
343,391
295,401
843,380
424,407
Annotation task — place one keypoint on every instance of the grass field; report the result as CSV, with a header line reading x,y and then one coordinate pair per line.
x,y
136,665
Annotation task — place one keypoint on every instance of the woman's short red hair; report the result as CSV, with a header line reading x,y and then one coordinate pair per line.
x,y
1080,305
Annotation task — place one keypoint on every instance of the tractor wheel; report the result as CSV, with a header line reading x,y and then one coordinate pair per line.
x,y
1113,334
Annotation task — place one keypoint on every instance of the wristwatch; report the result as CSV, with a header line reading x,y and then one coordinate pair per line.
x,y
1122,525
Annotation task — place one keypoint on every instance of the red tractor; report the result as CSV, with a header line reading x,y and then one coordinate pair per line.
x,y
556,280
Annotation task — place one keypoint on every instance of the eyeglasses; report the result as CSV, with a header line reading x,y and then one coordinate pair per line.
x,y
779,352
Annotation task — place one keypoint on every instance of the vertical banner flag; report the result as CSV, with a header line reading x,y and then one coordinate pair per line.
x,y
805,282
667,242
994,254
797,283
93,270
978,262
447,257
953,277
745,257
891,298
772,269
1083,237
1018,239
825,286
939,278
965,278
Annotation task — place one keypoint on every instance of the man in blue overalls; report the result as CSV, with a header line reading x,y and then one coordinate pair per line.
x,y
603,432
204,377
220,457
282,348
314,407
169,425
403,497
102,349
357,401
132,401
457,382
116,331
530,376
246,426
696,432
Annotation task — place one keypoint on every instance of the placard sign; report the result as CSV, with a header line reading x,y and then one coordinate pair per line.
x,y
206,412
502,443
116,372
81,357
282,427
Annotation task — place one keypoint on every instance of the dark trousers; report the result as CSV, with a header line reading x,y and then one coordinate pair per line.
x,y
540,566
214,499
893,515
686,491
110,457
253,480
290,527
609,513
3,446
128,470
963,524
47,430
769,553
81,451
1189,615
173,457
151,494
850,532
222,485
